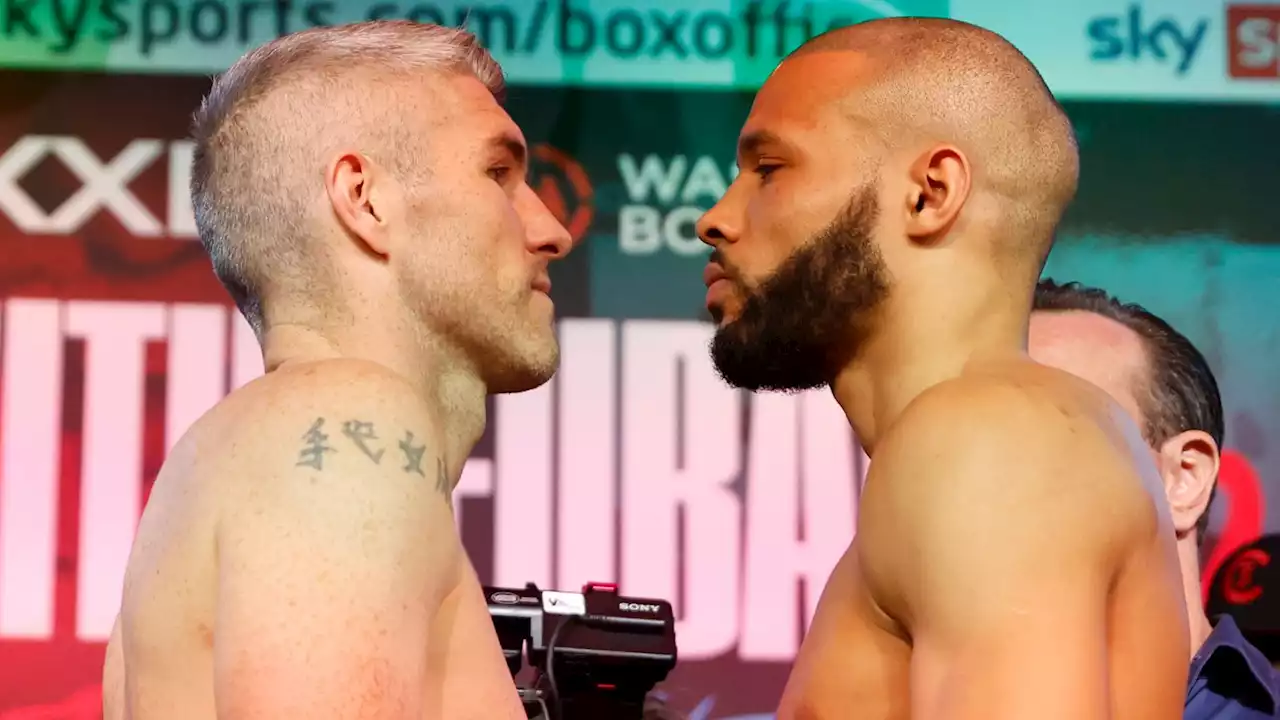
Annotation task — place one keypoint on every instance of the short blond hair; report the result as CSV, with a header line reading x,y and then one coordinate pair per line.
x,y
267,121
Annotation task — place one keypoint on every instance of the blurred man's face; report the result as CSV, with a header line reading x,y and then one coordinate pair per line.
x,y
1094,348
1114,358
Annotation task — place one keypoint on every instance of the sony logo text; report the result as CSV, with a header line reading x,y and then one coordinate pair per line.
x,y
639,607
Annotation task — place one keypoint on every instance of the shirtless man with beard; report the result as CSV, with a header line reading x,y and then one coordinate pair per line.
x,y
901,181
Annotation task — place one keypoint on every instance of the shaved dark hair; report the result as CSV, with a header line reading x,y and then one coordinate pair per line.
x,y
933,79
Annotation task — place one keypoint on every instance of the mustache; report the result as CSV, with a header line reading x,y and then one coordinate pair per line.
x,y
731,271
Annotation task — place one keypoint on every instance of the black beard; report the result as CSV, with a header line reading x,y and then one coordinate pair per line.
x,y
813,313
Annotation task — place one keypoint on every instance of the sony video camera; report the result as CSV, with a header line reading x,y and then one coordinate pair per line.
x,y
595,654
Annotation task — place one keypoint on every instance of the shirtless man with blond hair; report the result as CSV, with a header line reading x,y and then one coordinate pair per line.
x,y
363,197
901,182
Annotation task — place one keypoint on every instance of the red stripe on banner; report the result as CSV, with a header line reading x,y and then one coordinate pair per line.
x,y
1246,507
103,263
37,670
84,704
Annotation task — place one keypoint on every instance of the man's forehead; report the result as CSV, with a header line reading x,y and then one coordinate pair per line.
x,y
456,96
1089,343
807,94
816,78
1083,325
784,126
467,108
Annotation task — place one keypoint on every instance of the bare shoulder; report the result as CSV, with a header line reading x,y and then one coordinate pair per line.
x,y
335,542
1056,401
997,476
1031,412
346,379
1005,444
336,435
321,410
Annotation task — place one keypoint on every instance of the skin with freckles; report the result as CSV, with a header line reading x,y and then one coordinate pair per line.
x,y
363,196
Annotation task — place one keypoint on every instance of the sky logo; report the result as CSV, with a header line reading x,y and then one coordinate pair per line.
x,y
1138,37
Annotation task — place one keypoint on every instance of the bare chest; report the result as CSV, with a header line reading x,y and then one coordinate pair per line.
x,y
852,662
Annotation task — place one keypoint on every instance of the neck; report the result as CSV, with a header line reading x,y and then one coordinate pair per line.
x,y
1189,561
440,375
927,341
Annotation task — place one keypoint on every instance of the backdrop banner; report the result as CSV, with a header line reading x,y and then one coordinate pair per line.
x,y
636,464
709,43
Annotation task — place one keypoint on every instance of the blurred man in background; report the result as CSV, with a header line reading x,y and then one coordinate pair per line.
x,y
1163,381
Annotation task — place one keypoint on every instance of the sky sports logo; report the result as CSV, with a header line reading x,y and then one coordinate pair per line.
x,y
1253,41
1140,35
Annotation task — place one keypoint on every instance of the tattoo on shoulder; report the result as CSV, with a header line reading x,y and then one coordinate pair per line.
x,y
365,438
314,446
412,454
